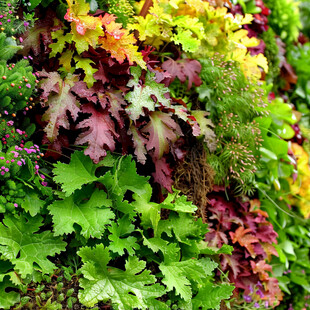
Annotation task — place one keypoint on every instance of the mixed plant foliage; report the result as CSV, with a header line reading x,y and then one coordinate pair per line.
x,y
154,154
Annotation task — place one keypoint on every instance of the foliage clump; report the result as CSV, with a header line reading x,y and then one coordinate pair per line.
x,y
233,102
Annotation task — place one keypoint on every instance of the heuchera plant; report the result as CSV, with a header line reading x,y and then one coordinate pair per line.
x,y
180,86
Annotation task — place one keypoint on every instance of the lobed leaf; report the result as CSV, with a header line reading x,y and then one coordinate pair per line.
x,y
74,175
129,289
92,216
23,246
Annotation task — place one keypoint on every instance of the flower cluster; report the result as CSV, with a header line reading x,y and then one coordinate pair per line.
x,y
10,22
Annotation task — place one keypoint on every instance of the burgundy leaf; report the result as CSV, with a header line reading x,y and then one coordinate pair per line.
x,y
80,88
139,143
162,130
162,174
184,69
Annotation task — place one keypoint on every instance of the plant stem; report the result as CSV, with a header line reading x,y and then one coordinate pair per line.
x,y
146,7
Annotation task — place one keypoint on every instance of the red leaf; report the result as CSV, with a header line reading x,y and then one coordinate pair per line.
x,y
245,239
265,233
51,84
162,174
41,33
59,102
139,143
269,250
81,89
100,75
100,133
261,269
274,293
117,102
231,261
184,69
162,130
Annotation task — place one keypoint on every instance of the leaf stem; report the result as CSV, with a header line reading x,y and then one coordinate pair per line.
x,y
146,7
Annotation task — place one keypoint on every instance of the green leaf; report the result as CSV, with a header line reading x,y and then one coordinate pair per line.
x,y
178,203
32,203
124,177
7,299
119,239
92,216
282,111
205,249
80,171
186,229
268,154
180,275
174,278
149,211
210,296
170,251
129,289
93,6
34,3
24,247
8,47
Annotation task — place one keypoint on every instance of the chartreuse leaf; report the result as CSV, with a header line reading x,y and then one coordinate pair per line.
x,y
85,64
7,299
119,236
175,278
129,289
59,45
80,171
178,203
24,247
189,43
65,60
92,216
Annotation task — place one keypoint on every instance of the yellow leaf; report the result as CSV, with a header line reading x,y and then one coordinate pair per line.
x,y
119,42
65,60
241,37
249,64
78,14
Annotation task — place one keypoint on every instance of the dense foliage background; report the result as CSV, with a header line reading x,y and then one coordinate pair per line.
x,y
154,154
